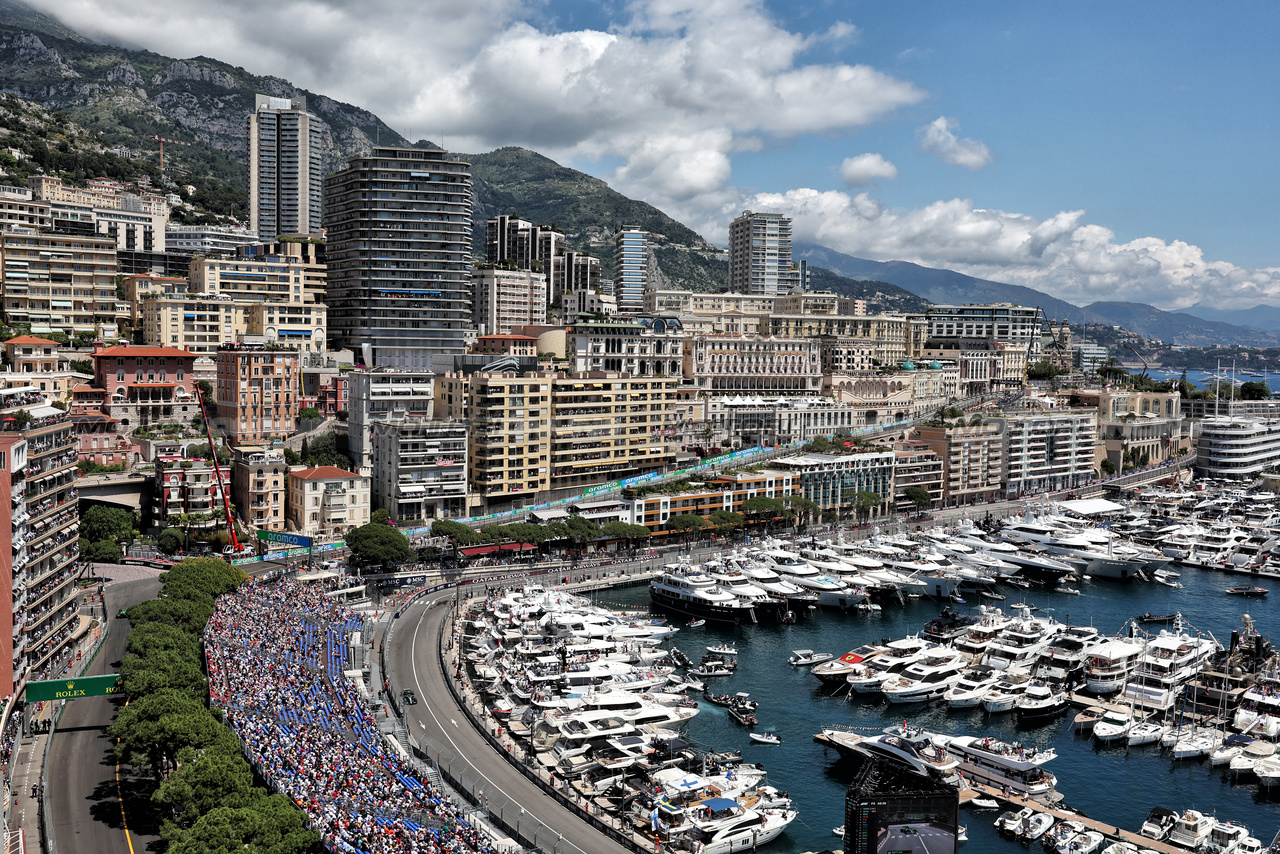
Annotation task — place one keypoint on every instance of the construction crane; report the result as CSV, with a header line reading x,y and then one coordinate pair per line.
x,y
1143,375
162,140
217,473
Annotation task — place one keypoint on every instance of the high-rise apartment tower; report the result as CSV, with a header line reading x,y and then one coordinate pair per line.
x,y
286,176
760,255
398,250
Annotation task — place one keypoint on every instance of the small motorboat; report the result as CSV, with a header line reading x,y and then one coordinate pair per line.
x,y
1087,842
989,594
1085,720
765,737
1166,578
723,649
1157,618
872,607
962,834
743,716
1255,592
837,831
1160,822
808,658
1070,591
1018,582
984,804
1034,827
1009,821
1146,733
697,624
711,669
958,599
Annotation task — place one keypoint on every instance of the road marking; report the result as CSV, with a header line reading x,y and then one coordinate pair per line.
x,y
120,796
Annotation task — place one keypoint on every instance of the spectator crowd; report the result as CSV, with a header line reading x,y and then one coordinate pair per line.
x,y
276,659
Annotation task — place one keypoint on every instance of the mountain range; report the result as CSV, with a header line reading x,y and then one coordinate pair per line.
x,y
122,97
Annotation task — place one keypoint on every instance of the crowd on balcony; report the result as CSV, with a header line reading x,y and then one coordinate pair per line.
x,y
276,656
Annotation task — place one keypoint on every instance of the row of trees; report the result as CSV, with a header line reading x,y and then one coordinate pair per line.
x,y
103,530
206,790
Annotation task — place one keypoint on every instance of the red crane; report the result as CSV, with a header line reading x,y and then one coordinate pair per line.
x,y
162,140
217,472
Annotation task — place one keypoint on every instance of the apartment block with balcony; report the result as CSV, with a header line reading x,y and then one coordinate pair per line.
x,y
726,492
373,396
915,464
60,283
189,493
972,461
419,467
509,431
892,339
144,386
44,536
830,480
326,501
752,363
259,484
1002,322
609,426
640,347
257,391
1136,428
506,299
1048,450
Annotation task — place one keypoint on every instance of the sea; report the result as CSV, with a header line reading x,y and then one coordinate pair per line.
x,y
1207,379
1114,784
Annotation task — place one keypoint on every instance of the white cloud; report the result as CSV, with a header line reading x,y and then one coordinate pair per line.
x,y
1062,255
671,90
939,139
865,168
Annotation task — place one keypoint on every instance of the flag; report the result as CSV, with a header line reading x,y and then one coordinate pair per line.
x,y
653,820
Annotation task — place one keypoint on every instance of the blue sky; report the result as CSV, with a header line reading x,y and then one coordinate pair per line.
x,y
1091,150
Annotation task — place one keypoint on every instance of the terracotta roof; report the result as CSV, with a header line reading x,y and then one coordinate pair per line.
x,y
322,473
31,339
84,387
114,352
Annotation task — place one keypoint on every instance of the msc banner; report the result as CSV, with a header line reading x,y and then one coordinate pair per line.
x,y
287,539
70,689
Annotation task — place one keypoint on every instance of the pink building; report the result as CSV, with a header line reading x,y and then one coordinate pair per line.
x,y
146,385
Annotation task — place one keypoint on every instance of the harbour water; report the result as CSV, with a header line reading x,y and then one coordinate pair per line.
x,y
1114,784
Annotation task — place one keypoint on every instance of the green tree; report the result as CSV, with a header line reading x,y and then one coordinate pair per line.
x,y
379,544
309,413
169,541
160,670
459,533
918,496
726,520
208,781
1042,370
864,502
380,517
686,522
804,509
152,638
103,551
271,826
106,523
183,613
1254,391
617,530
155,727
1108,467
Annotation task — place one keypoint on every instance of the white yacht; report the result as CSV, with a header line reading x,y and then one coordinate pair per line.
x,y
916,747
972,687
837,669
1259,709
1064,659
975,642
1021,643
722,826
1168,663
1109,664
1004,696
1000,763
1192,829
927,679
691,591
867,677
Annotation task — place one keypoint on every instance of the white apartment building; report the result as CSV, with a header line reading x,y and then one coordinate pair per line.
x,y
219,240
419,467
325,500
374,394
1236,447
753,363
760,255
286,168
641,347
1046,451
505,299
829,480
1002,322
